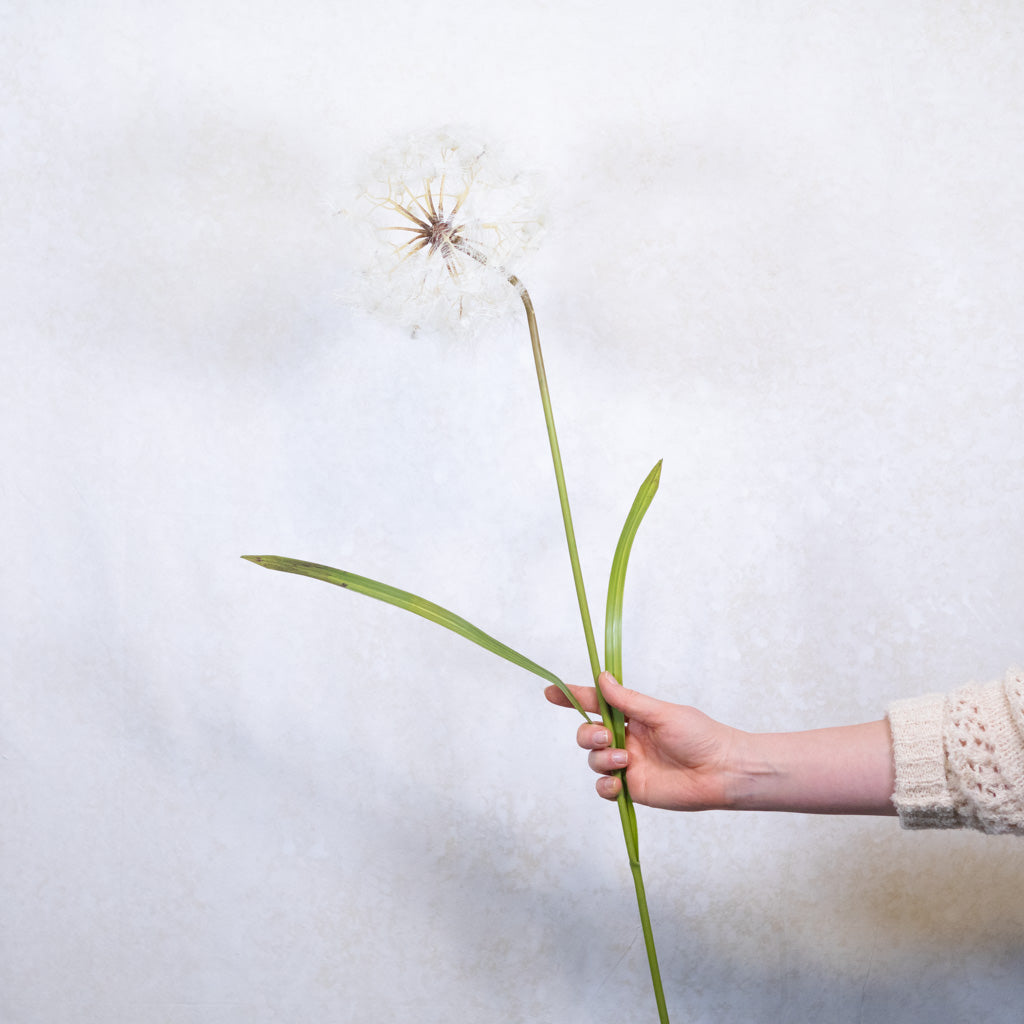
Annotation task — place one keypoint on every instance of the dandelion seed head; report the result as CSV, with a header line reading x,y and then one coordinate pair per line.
x,y
443,225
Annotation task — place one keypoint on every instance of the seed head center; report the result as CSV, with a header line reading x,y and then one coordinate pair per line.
x,y
443,235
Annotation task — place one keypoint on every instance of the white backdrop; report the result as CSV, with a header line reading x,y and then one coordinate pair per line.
x,y
783,252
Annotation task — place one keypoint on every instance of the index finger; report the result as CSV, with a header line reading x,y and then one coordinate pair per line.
x,y
586,695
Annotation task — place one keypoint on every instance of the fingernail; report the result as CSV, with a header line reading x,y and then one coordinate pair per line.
x,y
601,738
619,757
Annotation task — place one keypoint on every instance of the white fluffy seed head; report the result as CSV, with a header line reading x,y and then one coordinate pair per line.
x,y
442,225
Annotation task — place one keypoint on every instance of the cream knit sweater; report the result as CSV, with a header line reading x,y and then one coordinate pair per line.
x,y
960,758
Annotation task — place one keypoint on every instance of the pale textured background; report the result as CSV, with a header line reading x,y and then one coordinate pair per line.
x,y
784,252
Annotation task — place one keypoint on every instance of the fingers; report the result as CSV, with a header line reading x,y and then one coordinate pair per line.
x,y
631,702
603,757
586,695
593,736
607,761
634,704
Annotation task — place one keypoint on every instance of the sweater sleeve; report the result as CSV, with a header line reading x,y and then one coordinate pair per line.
x,y
960,758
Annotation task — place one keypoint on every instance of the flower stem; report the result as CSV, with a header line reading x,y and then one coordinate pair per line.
x,y
563,496
625,803
628,815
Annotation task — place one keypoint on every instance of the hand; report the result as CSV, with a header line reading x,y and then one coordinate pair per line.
x,y
679,759
675,758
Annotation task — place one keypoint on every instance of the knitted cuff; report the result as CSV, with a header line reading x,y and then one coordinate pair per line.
x,y
985,754
922,796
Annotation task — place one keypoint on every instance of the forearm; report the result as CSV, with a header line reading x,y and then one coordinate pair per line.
x,y
845,770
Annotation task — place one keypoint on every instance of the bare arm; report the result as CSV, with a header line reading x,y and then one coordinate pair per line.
x,y
678,758
842,770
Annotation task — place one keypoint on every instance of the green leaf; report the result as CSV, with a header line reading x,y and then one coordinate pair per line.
x,y
418,606
617,580
613,639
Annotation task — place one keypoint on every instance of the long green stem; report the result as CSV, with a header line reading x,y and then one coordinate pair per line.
x,y
563,496
652,953
625,803
627,813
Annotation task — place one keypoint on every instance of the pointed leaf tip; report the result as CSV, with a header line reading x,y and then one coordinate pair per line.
x,y
418,606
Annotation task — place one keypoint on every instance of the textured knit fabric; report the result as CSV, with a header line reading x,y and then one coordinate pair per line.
x,y
960,758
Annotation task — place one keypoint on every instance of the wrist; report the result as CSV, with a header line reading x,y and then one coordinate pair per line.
x,y
751,776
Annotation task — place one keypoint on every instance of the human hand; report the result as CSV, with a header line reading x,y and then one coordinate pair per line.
x,y
676,757
679,759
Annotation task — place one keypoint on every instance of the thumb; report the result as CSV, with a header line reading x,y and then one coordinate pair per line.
x,y
631,703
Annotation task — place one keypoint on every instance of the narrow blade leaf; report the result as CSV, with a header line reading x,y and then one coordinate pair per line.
x,y
415,604
613,637
617,580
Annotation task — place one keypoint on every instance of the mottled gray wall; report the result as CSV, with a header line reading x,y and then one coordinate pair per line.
x,y
783,252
